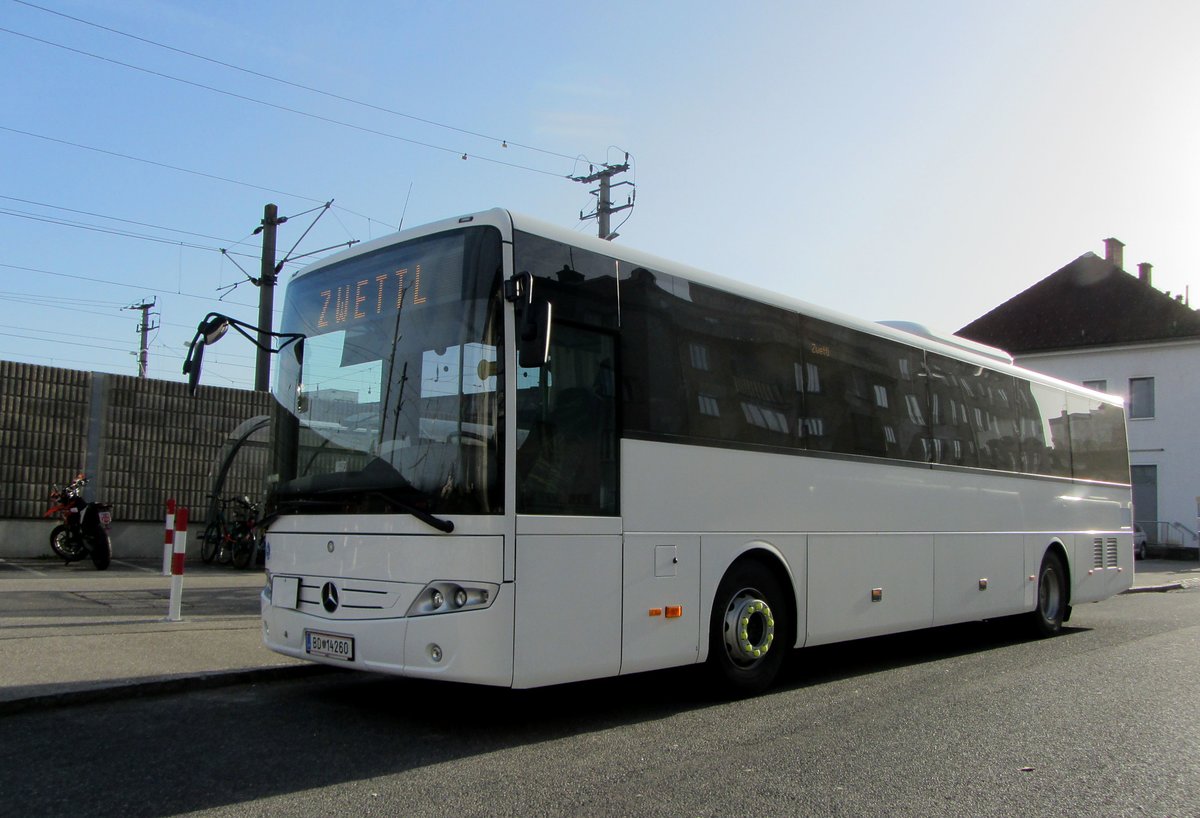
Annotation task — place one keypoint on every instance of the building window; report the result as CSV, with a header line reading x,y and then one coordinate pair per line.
x,y
1141,397
914,410
812,427
709,406
881,398
1099,386
699,354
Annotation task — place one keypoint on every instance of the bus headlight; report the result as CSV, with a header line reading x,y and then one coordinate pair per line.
x,y
449,597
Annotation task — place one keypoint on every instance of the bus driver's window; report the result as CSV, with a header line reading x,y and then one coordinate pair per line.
x,y
566,428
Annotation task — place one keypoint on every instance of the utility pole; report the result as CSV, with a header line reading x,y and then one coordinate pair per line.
x,y
266,297
144,328
604,205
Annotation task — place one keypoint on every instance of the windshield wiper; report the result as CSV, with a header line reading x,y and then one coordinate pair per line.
x,y
297,503
424,516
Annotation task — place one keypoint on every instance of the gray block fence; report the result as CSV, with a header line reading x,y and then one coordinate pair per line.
x,y
139,441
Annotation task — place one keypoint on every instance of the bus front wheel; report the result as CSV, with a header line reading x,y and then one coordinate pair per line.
x,y
1051,610
750,631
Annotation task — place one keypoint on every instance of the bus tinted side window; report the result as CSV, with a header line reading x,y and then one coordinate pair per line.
x,y
863,394
949,412
991,402
1045,434
706,366
1099,449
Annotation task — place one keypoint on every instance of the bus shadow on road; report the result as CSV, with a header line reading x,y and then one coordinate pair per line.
x,y
549,712
843,660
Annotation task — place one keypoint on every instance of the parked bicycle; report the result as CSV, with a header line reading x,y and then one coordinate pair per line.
x,y
230,535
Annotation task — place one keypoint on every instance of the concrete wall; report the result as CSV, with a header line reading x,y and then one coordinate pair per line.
x,y
139,442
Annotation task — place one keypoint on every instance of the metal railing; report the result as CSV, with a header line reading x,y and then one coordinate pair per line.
x,y
1169,533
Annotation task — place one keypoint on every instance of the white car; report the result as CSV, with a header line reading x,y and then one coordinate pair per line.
x,y
1139,542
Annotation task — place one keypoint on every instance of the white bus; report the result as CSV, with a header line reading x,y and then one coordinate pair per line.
x,y
509,454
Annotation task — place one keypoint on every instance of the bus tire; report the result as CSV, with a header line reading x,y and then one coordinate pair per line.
x,y
750,631
1051,606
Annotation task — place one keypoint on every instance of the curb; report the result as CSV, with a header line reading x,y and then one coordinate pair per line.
x,y
1156,589
162,686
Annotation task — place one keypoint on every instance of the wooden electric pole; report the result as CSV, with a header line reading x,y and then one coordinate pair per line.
x,y
266,297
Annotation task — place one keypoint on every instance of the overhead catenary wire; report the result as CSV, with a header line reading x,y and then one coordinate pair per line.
x,y
278,107
134,286
116,219
178,169
301,86
165,166
95,228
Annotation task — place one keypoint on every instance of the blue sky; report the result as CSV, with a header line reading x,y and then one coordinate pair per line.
x,y
922,161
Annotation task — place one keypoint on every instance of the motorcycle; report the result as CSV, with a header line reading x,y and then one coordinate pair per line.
x,y
84,530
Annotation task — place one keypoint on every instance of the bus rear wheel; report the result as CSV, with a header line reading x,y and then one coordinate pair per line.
x,y
750,631
1047,618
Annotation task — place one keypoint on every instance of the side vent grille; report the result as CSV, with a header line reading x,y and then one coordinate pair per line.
x,y
1105,552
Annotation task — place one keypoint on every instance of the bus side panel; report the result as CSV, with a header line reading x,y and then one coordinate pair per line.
x,y
662,623
671,487
978,576
568,608
866,585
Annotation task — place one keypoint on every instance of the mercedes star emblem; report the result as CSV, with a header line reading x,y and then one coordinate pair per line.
x,y
329,597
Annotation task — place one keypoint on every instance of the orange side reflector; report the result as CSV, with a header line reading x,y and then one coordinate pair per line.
x,y
674,611
656,611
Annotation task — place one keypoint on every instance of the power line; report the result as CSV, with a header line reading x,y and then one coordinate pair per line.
x,y
51,340
298,112
95,228
21,214
39,298
115,219
502,142
201,173
142,287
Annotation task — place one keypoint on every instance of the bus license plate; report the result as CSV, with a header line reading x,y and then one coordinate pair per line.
x,y
329,645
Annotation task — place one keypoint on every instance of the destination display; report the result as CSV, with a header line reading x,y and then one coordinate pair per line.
x,y
401,278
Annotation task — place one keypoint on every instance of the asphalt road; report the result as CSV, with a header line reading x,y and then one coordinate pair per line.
x,y
969,720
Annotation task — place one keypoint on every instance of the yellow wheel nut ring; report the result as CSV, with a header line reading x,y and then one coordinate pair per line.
x,y
750,627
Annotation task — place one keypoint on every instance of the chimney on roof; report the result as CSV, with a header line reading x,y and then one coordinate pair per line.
x,y
1114,253
1144,273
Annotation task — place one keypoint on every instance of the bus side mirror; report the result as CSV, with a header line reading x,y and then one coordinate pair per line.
x,y
533,335
534,319
211,330
191,366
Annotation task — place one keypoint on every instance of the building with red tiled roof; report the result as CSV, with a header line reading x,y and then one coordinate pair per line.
x,y
1095,324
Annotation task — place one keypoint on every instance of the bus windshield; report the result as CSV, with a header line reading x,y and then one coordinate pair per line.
x,y
392,401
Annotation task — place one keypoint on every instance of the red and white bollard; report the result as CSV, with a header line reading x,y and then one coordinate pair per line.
x,y
178,553
168,538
